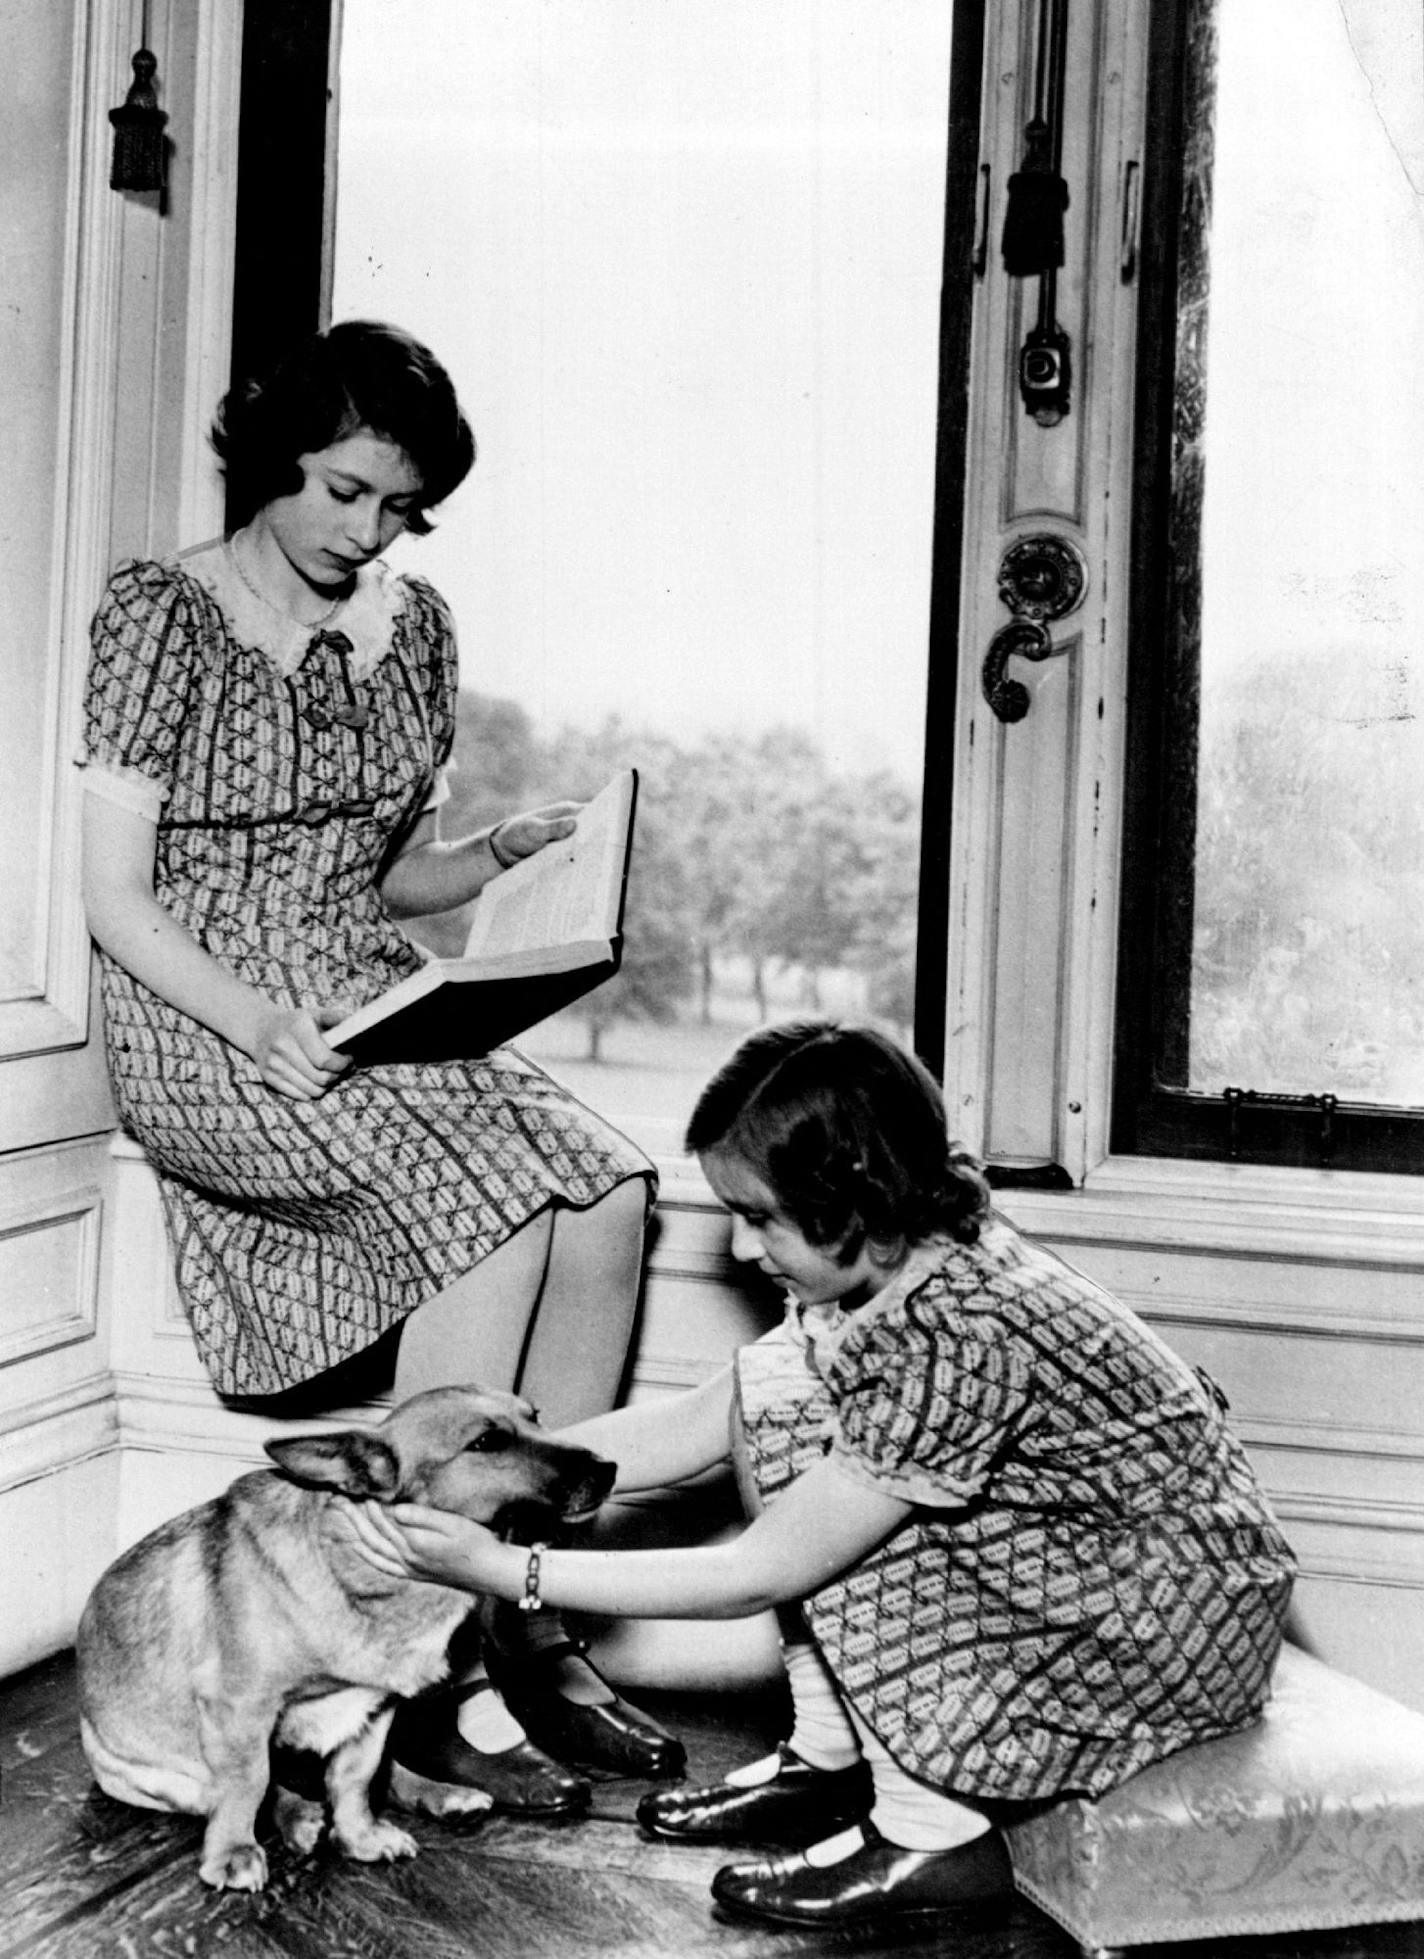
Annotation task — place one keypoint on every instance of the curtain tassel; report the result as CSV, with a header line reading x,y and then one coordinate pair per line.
x,y
140,147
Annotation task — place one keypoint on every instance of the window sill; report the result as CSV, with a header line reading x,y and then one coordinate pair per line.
x,y
1245,1208
1372,1226
1166,1210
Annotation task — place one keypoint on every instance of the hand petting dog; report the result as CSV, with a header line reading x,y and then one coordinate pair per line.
x,y
410,1540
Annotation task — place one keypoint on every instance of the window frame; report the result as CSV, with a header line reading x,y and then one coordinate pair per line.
x,y
1150,1117
286,210
285,154
965,110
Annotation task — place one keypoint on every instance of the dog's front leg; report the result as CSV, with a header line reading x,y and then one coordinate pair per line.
x,y
233,1735
233,1859
349,1773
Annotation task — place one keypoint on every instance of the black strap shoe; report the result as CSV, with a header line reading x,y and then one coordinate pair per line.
x,y
799,1805
608,1736
877,1883
520,1780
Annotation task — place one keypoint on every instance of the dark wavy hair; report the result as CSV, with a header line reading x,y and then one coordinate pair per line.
x,y
849,1132
358,375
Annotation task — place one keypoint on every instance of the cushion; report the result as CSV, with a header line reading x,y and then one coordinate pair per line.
x,y
1314,1817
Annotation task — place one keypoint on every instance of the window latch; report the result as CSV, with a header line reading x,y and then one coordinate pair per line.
x,y
1032,242
1041,577
1238,1098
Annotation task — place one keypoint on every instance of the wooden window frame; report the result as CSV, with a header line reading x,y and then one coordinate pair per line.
x,y
285,149
1151,1118
282,284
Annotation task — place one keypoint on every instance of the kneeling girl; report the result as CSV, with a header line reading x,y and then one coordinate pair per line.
x,y
1016,1549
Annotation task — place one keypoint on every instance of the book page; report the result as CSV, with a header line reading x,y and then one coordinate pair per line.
x,y
567,891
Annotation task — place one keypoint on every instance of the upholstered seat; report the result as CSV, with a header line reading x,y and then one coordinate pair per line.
x,y
1312,1818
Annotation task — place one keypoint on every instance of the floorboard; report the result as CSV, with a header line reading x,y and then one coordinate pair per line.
x,y
83,1877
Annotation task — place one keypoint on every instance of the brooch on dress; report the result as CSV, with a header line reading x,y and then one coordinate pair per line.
x,y
353,713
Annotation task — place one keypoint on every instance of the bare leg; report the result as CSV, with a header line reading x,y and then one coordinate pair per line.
x,y
578,1347
550,1311
477,1329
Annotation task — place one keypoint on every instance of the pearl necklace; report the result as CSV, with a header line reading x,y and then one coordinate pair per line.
x,y
307,625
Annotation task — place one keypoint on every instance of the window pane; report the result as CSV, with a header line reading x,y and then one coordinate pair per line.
x,y
684,265
1308,932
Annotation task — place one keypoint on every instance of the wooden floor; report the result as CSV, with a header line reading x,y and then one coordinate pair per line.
x,y
83,1877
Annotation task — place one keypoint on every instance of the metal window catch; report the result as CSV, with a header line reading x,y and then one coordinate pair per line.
x,y
1041,577
1237,1098
1032,243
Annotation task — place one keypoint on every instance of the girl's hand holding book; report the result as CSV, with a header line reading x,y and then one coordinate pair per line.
x,y
516,837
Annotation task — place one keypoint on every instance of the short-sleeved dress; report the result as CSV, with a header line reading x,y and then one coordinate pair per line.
x,y
1093,1578
304,1230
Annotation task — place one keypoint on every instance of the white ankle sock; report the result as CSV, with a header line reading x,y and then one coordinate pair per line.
x,y
753,1774
486,1723
821,1734
835,1850
913,1814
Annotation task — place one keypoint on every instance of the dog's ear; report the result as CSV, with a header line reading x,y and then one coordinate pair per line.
x,y
354,1462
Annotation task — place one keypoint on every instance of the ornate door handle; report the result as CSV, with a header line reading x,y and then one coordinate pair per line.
x,y
1040,577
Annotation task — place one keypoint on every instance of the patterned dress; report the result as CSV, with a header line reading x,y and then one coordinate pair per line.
x,y
303,1230
1093,1577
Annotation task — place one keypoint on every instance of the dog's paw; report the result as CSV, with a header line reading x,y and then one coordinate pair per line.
x,y
376,1842
299,1822
235,1867
439,1799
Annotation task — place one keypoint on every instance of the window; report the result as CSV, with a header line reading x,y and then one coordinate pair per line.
x,y
685,265
1272,972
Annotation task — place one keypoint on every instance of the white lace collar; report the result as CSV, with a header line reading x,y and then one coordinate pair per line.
x,y
821,1330
367,618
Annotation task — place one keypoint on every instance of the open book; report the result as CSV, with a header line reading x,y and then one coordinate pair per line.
x,y
542,934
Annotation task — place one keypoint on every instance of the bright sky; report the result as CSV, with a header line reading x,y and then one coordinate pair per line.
x,y
683,262
1315,403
